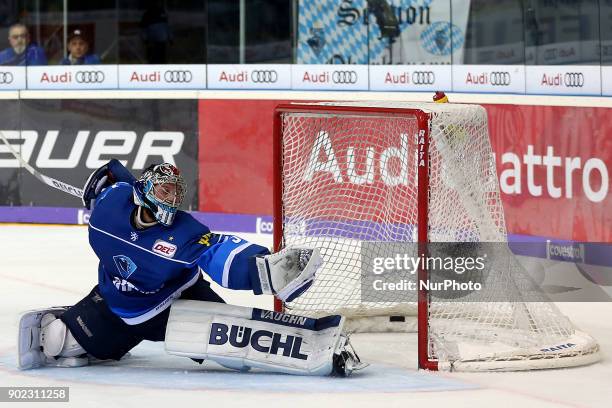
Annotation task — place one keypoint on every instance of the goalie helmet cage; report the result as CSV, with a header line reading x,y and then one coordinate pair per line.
x,y
350,174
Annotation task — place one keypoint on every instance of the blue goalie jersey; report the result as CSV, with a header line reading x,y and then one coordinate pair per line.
x,y
141,271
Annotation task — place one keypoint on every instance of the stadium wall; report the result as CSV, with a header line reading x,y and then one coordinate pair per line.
x,y
554,154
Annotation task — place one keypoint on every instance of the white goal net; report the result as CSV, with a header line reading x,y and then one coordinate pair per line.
x,y
349,183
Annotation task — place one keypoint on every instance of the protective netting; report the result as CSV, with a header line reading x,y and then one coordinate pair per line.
x,y
350,178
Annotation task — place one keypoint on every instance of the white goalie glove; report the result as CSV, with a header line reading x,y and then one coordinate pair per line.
x,y
289,272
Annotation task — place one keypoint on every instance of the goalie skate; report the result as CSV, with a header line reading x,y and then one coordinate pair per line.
x,y
346,359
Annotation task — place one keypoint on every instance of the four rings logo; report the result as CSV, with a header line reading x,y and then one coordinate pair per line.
x,y
6,78
497,78
264,76
178,76
500,78
423,78
89,77
344,77
574,79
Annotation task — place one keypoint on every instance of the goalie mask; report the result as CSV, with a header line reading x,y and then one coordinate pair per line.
x,y
161,189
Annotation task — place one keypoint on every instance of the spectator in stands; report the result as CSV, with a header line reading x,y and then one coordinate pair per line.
x,y
22,51
78,51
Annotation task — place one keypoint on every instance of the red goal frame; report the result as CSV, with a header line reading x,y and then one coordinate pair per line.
x,y
424,122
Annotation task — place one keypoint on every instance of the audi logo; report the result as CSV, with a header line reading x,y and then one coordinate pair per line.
x,y
178,76
344,77
500,78
264,77
423,78
6,77
89,77
574,79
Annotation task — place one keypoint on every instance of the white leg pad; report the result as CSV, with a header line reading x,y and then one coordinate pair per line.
x,y
31,336
52,335
243,338
56,340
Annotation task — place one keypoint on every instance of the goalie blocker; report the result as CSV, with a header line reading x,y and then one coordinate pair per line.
x,y
242,338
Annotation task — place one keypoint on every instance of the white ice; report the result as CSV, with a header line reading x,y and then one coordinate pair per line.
x,y
53,265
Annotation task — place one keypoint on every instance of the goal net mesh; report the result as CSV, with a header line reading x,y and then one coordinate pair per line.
x,y
349,186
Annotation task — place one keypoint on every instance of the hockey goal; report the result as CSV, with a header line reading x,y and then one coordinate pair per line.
x,y
355,179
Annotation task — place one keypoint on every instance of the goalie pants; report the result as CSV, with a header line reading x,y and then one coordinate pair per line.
x,y
105,336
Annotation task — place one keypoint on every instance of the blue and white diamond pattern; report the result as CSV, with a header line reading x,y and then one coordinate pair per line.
x,y
319,18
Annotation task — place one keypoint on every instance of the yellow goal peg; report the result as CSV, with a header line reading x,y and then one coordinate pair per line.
x,y
440,97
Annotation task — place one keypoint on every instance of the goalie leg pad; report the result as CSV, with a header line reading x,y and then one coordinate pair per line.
x,y
242,338
42,328
56,340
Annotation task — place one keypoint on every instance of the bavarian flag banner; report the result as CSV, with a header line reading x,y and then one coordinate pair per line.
x,y
381,31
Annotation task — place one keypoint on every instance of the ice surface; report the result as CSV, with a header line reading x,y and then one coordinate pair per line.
x,y
52,265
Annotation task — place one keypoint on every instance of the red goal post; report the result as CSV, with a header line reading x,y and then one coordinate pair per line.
x,y
423,175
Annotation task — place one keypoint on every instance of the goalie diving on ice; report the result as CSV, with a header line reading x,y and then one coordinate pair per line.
x,y
150,287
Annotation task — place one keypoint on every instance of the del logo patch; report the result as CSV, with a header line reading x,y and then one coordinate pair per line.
x,y
164,248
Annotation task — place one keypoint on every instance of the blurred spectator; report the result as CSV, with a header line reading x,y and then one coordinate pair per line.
x,y
156,32
78,51
22,51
